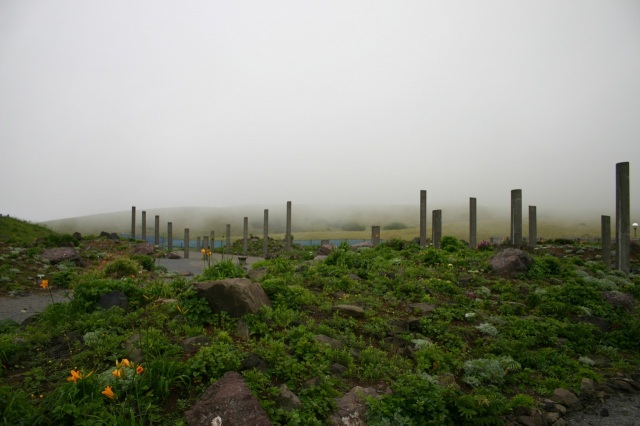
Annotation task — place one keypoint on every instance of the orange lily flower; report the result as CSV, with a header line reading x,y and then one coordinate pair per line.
x,y
139,369
125,362
75,376
108,392
44,284
117,372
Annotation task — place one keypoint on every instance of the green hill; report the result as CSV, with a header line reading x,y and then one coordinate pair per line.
x,y
14,230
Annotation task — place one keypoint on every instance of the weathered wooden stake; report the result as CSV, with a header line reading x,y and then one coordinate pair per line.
x,y
245,236
533,226
436,227
516,217
375,235
288,233
144,226
133,223
605,228
623,218
186,243
423,218
265,235
156,238
473,224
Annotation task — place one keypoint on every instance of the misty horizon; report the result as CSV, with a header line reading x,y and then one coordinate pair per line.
x,y
110,104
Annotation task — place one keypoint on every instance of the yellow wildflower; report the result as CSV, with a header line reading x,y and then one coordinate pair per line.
x,y
117,372
108,392
125,362
75,376
44,284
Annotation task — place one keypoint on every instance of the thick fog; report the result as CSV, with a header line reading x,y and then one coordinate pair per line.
x,y
109,104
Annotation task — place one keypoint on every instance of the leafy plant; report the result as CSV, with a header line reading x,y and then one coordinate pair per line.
x,y
221,270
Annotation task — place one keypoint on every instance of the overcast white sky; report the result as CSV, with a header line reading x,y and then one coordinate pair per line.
x,y
109,104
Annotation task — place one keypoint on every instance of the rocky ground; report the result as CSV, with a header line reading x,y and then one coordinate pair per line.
x,y
618,410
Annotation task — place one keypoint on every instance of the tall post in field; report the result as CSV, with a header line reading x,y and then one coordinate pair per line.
x,y
169,236
533,226
473,224
228,247
245,236
516,217
212,239
623,218
265,234
605,229
144,226
133,223
288,234
156,235
375,235
423,218
186,243
436,227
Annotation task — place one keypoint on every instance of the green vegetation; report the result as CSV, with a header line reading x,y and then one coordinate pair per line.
x,y
15,231
485,345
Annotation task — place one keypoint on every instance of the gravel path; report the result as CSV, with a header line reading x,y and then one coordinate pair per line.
x,y
619,410
195,264
21,306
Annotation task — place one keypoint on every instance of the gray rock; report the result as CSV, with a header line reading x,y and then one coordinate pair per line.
x,y
60,254
242,331
144,248
421,308
621,300
337,369
288,400
114,299
352,408
325,249
231,400
587,389
252,361
510,261
257,274
191,345
333,343
567,398
349,310
235,296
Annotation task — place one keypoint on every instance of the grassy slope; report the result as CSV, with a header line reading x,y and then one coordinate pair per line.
x,y
15,230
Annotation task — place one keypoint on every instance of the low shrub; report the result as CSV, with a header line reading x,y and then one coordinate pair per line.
x,y
122,267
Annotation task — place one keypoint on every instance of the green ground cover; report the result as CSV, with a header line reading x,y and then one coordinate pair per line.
x,y
490,343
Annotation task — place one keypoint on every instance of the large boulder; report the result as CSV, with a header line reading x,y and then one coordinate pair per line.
x,y
60,254
235,296
144,248
510,261
229,402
